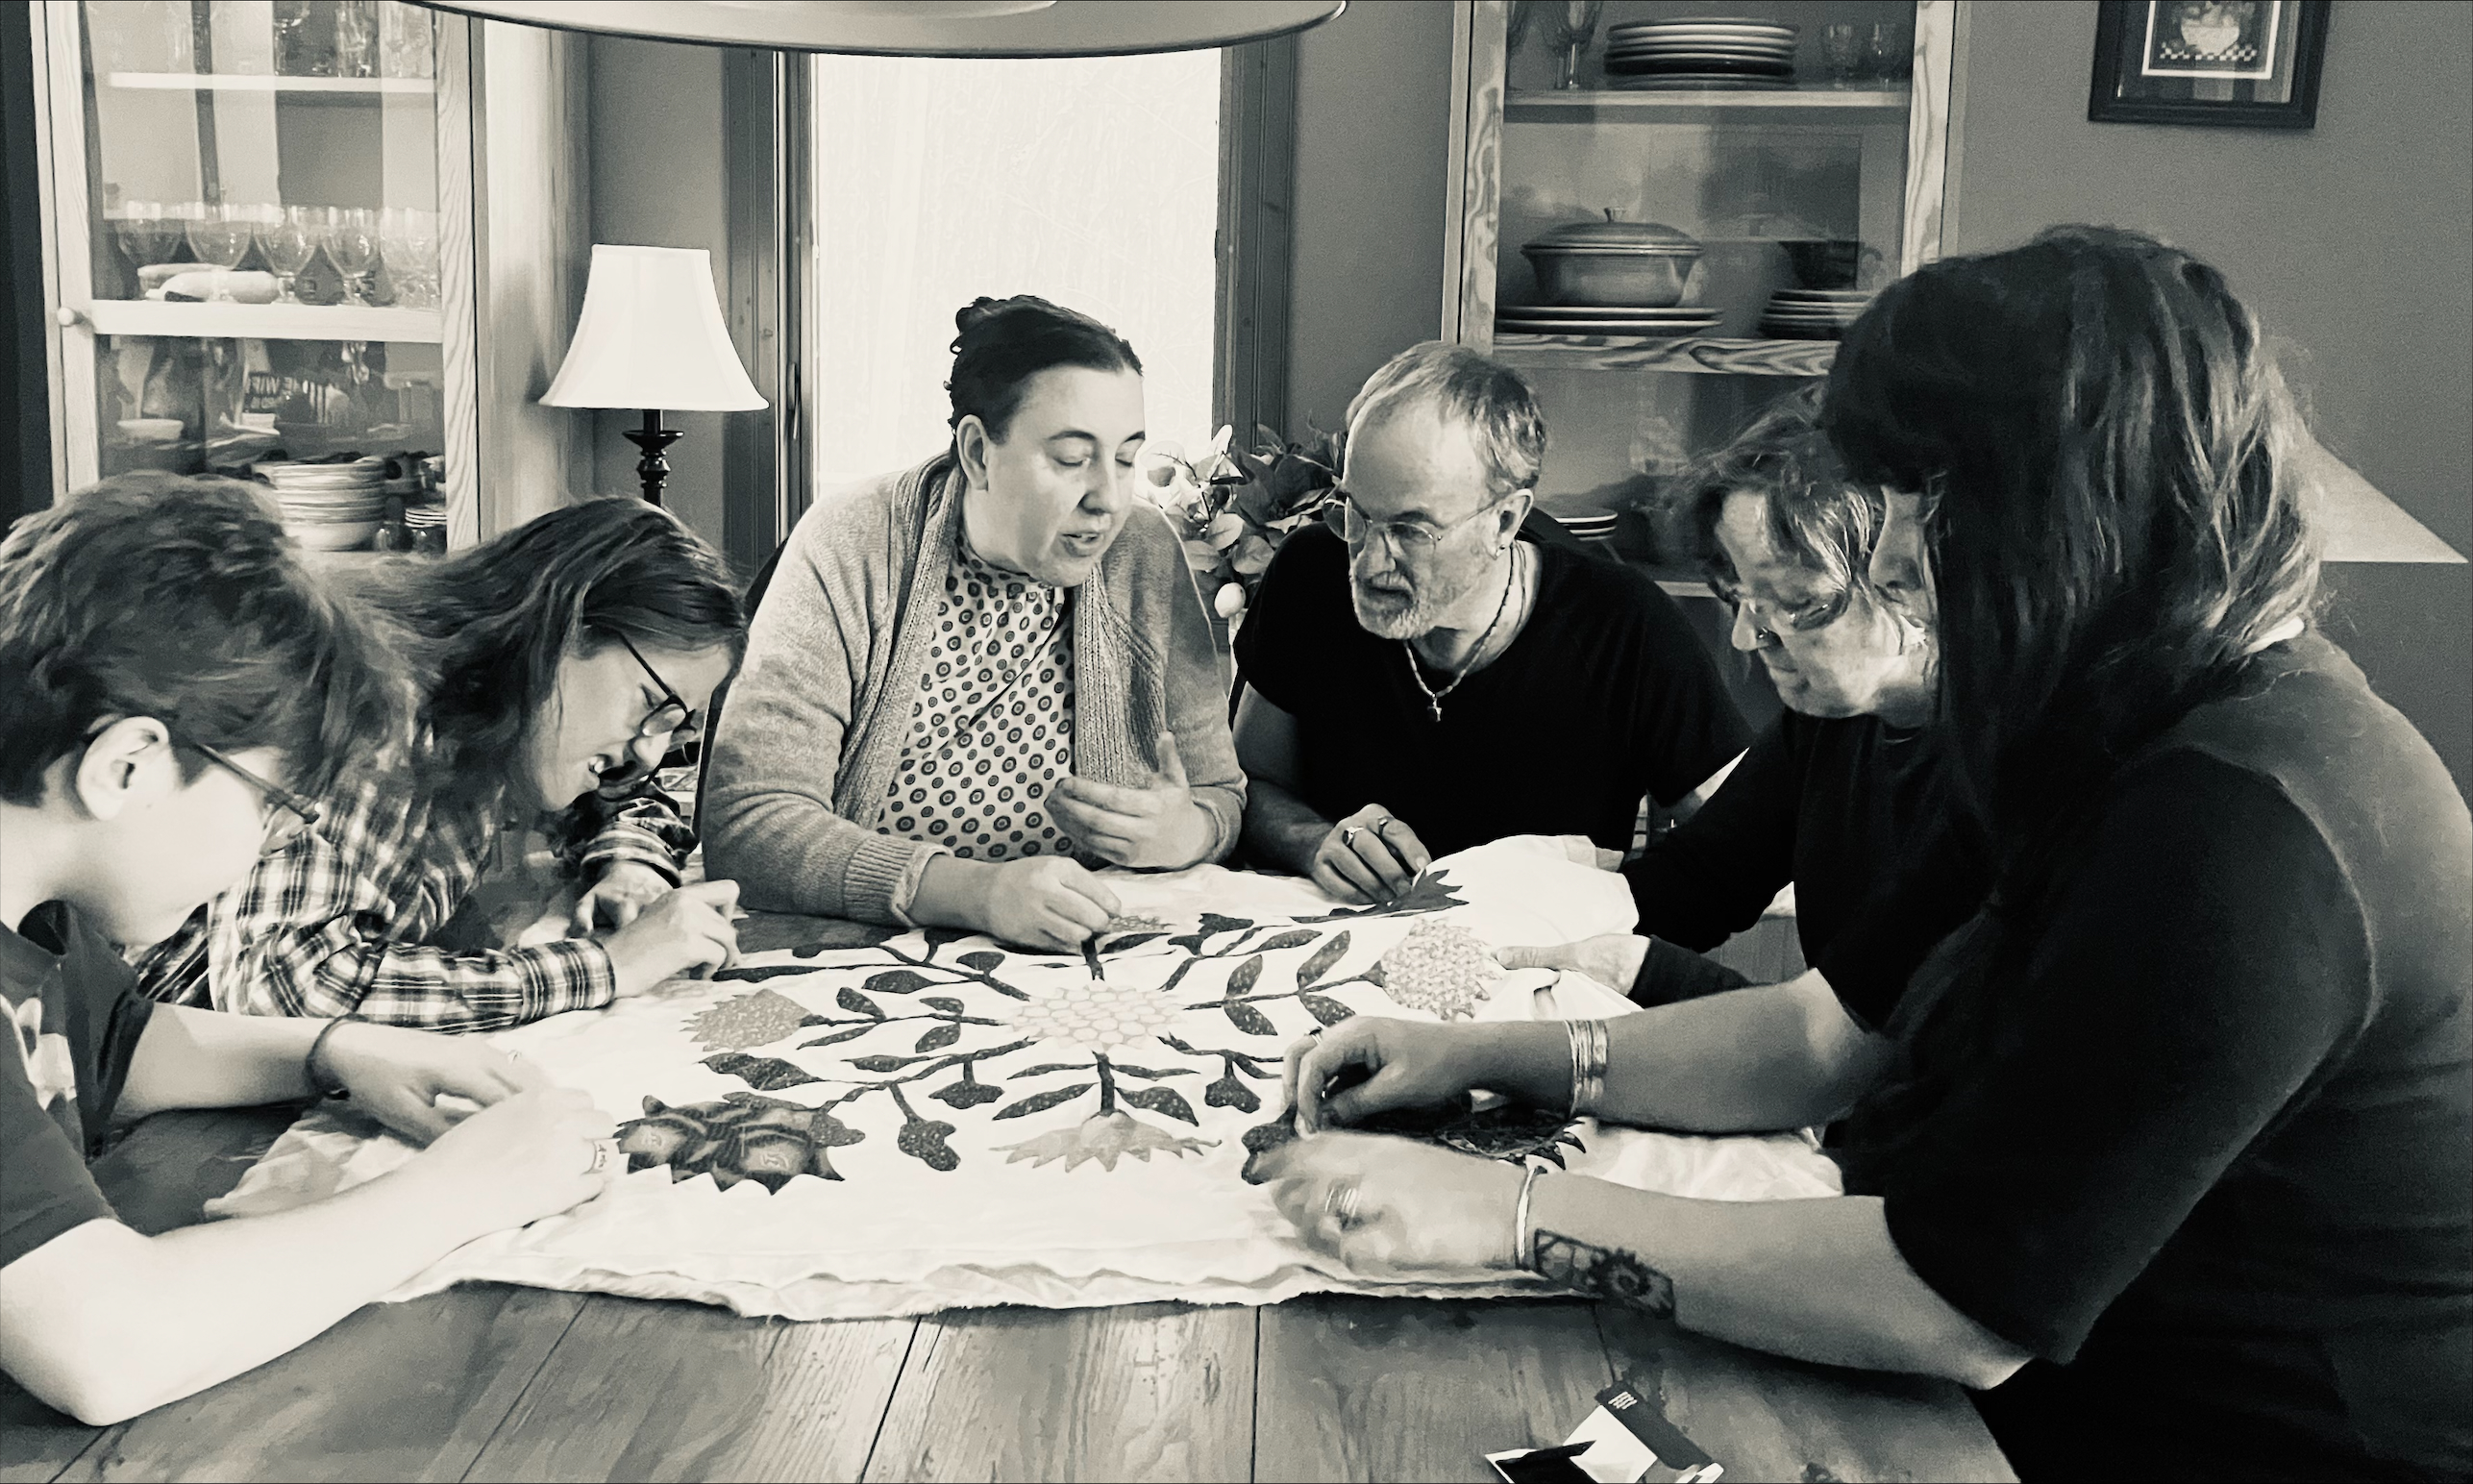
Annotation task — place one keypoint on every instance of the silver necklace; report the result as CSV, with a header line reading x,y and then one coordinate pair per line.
x,y
1433,697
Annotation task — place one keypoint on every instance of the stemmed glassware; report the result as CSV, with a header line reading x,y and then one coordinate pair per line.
x,y
218,234
1842,44
144,233
1570,25
287,242
351,240
408,239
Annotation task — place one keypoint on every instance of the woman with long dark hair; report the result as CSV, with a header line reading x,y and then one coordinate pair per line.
x,y
974,679
554,665
2169,1150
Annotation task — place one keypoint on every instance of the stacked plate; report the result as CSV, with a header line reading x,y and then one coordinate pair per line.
x,y
1588,524
1700,52
1812,313
1604,319
329,506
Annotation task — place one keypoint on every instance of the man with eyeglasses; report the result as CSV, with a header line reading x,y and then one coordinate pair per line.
x,y
172,678
1419,680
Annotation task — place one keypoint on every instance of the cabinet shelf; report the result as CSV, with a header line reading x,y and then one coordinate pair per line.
x,y
264,321
1706,354
1564,105
265,82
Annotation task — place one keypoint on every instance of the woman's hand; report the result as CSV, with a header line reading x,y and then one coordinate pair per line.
x,y
623,892
1157,827
1612,960
1043,901
534,1154
1384,1205
1372,856
687,928
398,1075
1392,1063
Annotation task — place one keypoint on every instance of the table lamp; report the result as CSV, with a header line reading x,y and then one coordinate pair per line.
x,y
651,338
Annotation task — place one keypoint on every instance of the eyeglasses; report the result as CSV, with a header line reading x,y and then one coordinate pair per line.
x,y
1411,538
284,805
673,713
1802,617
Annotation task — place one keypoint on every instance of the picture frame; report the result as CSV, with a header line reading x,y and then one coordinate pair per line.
x,y
2240,64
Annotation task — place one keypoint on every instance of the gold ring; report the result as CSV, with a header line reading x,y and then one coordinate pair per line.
x,y
1348,835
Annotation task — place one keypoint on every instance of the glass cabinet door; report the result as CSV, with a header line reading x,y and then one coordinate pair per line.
x,y
251,243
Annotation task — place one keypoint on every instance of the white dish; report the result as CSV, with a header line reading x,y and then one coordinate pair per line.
x,y
1618,329
1603,312
341,536
1693,82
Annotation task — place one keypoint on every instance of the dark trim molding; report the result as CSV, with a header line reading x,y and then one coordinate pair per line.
x,y
765,122
1256,245
26,425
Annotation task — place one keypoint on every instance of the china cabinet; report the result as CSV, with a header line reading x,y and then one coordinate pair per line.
x,y
268,241
1772,167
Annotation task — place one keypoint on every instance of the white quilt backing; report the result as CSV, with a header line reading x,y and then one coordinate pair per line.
x,y
936,1122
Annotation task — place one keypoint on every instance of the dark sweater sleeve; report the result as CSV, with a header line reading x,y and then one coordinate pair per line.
x,y
1689,726
1712,876
1867,964
2198,969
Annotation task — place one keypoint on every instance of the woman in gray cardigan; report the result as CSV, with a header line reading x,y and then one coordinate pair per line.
x,y
971,679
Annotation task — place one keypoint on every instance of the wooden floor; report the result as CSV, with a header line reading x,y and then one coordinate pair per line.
x,y
496,1382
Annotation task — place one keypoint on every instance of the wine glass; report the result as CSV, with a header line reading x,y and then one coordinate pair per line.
x,y
408,239
1889,53
287,242
144,234
218,235
352,241
1570,25
1842,44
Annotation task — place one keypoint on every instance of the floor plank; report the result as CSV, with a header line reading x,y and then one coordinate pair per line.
x,y
644,1390
37,1444
1353,1388
1766,1418
397,1390
1152,1391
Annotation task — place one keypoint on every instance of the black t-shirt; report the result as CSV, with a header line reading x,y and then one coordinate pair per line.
x,y
2207,1150
1605,696
77,1014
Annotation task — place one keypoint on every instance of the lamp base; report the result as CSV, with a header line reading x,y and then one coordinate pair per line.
x,y
651,470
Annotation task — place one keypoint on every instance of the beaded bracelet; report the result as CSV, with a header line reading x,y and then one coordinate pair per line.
x,y
1589,1051
1522,1254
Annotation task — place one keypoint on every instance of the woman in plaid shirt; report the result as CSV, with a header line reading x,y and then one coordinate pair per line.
x,y
556,665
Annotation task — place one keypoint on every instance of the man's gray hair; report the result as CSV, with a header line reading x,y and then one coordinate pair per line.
x,y
1490,399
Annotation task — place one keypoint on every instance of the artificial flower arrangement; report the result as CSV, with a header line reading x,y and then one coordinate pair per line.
x,y
1233,508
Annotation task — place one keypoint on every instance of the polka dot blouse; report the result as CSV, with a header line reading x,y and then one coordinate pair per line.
x,y
992,725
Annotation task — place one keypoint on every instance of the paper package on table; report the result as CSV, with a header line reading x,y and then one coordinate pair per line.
x,y
936,1122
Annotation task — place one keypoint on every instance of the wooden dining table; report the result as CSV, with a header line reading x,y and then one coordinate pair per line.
x,y
491,1381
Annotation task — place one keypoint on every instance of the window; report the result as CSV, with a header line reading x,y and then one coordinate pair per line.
x,y
1093,182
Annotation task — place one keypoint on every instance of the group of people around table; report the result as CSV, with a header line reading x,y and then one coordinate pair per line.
x,y
2139,1012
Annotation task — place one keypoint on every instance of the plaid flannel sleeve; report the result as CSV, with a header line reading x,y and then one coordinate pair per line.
x,y
325,929
636,819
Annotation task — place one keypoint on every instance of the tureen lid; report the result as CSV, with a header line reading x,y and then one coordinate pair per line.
x,y
1648,238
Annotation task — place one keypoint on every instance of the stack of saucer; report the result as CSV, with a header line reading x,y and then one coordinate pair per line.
x,y
425,525
1604,319
1701,52
1812,313
329,506
1588,524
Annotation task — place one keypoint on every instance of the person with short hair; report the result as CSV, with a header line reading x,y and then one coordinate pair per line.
x,y
1843,797
180,690
973,682
2167,1151
554,663
1420,680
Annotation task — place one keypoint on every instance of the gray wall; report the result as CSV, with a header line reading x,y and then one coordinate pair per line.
x,y
658,182
2352,240
1374,116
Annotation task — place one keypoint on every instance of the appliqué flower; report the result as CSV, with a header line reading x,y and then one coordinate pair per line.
x,y
1104,1137
1096,1014
1439,969
759,1019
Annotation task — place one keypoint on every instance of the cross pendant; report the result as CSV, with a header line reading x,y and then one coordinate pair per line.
x,y
1434,704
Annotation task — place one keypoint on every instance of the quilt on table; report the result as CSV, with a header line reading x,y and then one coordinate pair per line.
x,y
936,1122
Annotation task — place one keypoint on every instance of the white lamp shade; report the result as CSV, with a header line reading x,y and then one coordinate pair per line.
x,y
652,336
923,28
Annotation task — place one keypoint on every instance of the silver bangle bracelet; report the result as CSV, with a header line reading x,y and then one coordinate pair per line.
x,y
1590,1044
1521,1257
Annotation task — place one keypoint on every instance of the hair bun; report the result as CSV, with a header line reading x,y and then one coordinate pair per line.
x,y
979,311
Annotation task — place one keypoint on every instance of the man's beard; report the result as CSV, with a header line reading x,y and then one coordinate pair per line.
x,y
1427,608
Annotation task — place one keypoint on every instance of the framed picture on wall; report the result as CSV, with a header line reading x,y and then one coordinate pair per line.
x,y
2251,64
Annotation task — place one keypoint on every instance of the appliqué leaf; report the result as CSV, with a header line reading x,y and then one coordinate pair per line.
x,y
945,1003
852,1000
1041,1102
1247,975
883,1063
939,1037
1159,1099
1318,962
1229,1093
850,1034
1123,1070
1047,1067
1250,1021
898,981
1261,1139
1325,1008
984,960
924,1139
1212,922
1293,937
967,1095
763,971
764,1073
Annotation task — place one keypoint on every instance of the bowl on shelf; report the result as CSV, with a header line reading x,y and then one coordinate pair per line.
x,y
151,430
1613,264
331,536
1824,262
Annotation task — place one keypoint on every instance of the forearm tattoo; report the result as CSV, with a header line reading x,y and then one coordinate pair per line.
x,y
1607,1272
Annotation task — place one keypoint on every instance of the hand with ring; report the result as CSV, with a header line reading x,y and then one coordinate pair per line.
x,y
1385,1205
530,1155
1372,856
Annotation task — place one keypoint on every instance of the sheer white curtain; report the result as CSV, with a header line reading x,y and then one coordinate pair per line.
x,y
1092,182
